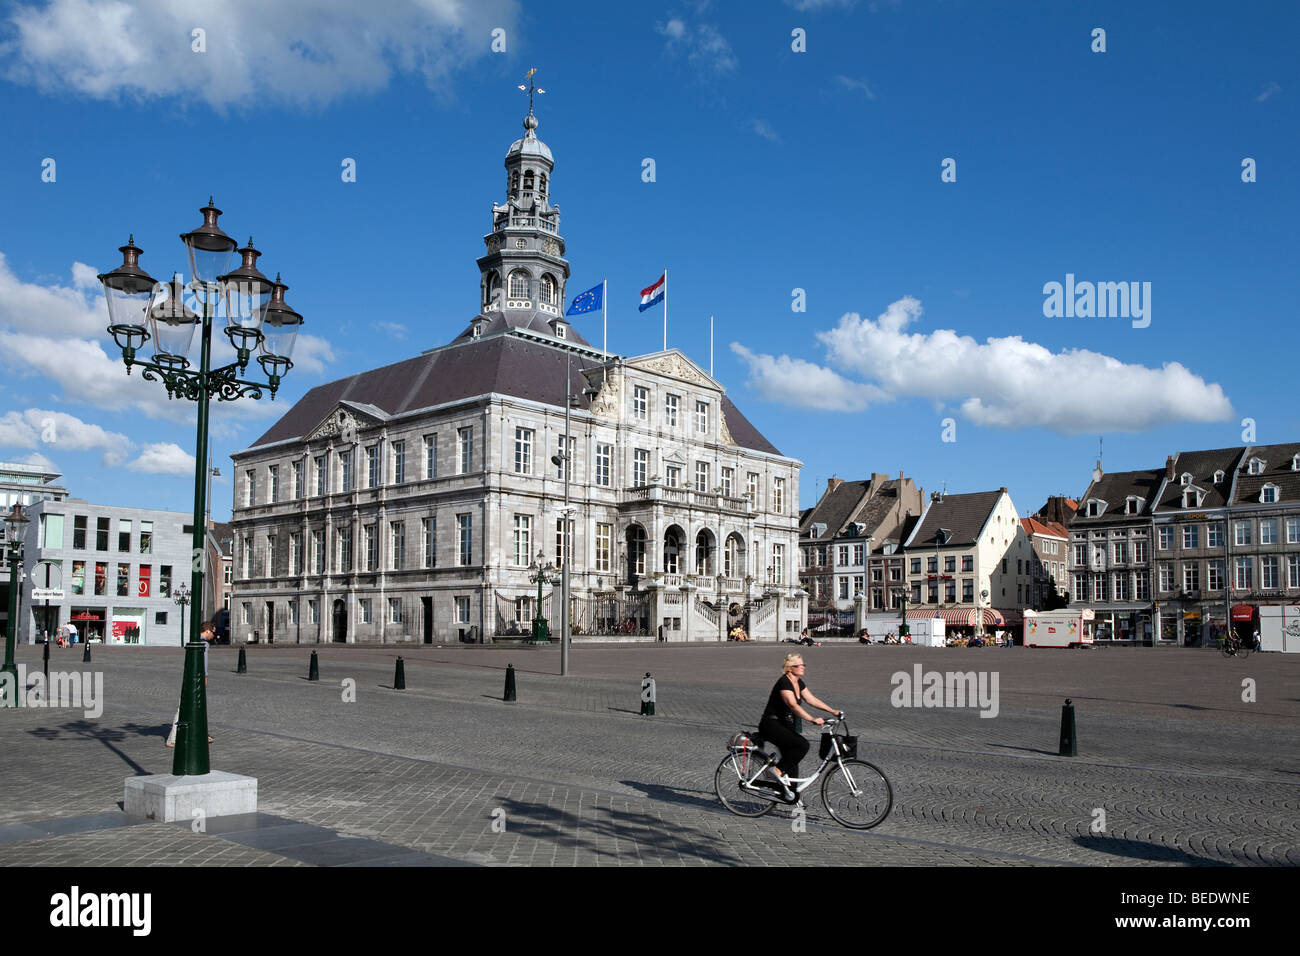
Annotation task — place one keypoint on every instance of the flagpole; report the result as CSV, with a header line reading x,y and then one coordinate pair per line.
x,y
710,346
665,310
604,323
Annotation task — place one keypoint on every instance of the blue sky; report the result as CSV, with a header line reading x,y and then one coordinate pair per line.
x,y
776,170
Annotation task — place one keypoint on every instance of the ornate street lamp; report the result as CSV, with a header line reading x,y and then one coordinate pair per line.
x,y
542,574
182,597
15,529
141,309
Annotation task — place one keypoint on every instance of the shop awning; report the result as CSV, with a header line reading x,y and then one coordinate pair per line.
x,y
959,616
1243,612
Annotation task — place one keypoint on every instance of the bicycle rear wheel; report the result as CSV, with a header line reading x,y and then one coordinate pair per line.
x,y
726,781
857,794
1228,648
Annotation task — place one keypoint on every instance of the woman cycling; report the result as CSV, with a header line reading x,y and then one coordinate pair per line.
x,y
777,725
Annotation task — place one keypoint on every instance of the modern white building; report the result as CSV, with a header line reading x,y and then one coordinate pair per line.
x,y
411,502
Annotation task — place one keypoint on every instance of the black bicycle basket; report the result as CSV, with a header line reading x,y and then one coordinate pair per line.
x,y
848,746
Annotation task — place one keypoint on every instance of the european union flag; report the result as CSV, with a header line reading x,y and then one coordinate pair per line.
x,y
590,301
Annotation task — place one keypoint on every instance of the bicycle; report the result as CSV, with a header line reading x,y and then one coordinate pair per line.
x,y
1233,646
855,793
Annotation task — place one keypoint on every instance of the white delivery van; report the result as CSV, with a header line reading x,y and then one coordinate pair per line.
x,y
1279,628
928,632
1062,628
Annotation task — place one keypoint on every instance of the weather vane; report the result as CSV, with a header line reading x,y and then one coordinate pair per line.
x,y
531,89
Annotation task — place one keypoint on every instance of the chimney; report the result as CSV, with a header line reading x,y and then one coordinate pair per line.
x,y
832,483
1169,468
900,474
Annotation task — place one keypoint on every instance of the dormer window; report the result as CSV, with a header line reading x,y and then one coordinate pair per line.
x,y
1192,498
1268,494
1295,463
559,331
1256,467
476,329
1095,507
1218,477
1132,505
1186,479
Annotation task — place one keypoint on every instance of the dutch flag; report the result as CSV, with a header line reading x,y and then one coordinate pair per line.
x,y
652,295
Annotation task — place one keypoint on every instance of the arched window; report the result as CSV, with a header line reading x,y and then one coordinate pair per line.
x,y
704,553
732,564
635,550
528,181
1218,477
519,284
547,292
541,185
673,547
514,181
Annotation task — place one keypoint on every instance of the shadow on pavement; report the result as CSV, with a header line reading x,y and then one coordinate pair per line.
x,y
675,795
1142,850
90,730
602,829
1028,750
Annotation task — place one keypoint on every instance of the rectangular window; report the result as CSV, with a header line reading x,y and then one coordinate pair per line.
x,y
916,566
79,532
430,531
365,611
523,540
146,537
318,552
778,496
399,462
1191,577
950,564
1243,533
932,566
674,476
915,596
313,611
101,578
640,399
702,417
751,488
933,592
1080,555
270,555
950,592
844,555
345,548
604,540
295,552
778,563
465,530
293,611
368,547
523,451
1216,576
1214,535
1139,552
345,471
1245,579
296,491
1292,531
1191,536
844,589
670,410
430,456
372,466
246,613
1267,531
250,488
462,610
1292,571
123,535
1166,577
1099,587
1143,580
273,483
160,618
563,542
1166,538
246,553
124,580
146,581
967,591
968,562
604,455
728,481
465,448
322,476
702,476
1268,576
394,610
1121,552
78,577
101,534
51,531
165,581
397,545
640,466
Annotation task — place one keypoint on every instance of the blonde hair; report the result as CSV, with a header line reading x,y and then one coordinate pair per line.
x,y
790,660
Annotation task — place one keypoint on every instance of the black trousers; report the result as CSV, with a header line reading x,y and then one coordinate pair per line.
x,y
793,746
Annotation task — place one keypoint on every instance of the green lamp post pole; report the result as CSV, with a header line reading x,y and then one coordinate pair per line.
x,y
542,575
15,527
257,317
182,598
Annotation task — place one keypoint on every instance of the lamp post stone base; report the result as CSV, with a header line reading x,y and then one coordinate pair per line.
x,y
167,798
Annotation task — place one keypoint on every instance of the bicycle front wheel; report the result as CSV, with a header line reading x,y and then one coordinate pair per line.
x,y
1244,651
734,768
857,794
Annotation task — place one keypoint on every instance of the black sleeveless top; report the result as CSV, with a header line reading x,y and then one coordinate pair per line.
x,y
776,706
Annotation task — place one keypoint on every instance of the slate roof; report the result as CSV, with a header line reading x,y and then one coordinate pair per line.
x,y
507,364
1201,465
1115,489
1277,471
836,507
963,515
874,512
529,320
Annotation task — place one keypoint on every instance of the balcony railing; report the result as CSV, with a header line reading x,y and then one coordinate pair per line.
x,y
712,500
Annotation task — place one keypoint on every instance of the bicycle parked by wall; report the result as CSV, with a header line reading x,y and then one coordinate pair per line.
x,y
855,793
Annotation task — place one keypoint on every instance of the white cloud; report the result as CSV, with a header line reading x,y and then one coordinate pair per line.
x,y
764,129
849,83
40,461
396,329
1003,382
296,51
805,385
702,45
164,458
310,354
54,429
1269,90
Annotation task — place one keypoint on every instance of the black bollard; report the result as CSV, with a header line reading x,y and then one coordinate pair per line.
x,y
85,656
242,667
46,662
313,672
399,676
1069,744
510,682
648,696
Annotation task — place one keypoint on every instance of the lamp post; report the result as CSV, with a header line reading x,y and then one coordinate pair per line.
x,y
563,461
182,597
542,574
257,318
15,529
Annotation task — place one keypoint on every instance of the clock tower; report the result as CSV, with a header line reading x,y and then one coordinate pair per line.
x,y
524,270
